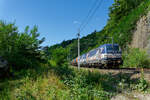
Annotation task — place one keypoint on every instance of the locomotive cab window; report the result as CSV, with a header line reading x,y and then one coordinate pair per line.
x,y
111,48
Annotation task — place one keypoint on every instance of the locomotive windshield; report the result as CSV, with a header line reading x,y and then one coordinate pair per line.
x,y
111,49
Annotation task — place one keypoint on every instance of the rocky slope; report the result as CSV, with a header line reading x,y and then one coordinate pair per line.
x,y
141,35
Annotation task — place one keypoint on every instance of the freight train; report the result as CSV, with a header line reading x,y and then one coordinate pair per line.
x,y
106,55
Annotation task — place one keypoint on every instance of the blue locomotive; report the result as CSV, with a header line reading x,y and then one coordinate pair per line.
x,y
107,54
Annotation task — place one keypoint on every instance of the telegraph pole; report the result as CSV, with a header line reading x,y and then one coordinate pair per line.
x,y
112,42
78,50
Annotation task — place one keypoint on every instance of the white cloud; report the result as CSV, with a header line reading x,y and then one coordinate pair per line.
x,y
76,22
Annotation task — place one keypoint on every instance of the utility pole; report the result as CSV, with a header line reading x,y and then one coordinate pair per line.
x,y
78,50
112,42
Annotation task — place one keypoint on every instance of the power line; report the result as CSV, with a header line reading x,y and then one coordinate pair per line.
x,y
90,17
90,11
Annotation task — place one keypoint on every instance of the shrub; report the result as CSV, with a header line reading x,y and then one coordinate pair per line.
x,y
21,49
136,58
142,84
59,57
86,85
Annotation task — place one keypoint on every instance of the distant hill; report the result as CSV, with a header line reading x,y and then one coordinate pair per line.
x,y
123,17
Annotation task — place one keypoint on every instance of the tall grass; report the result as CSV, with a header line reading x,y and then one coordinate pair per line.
x,y
51,84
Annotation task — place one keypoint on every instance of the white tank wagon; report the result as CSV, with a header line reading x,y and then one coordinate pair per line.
x,y
83,60
105,55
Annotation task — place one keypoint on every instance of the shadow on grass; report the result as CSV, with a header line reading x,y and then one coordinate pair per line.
x,y
63,71
13,79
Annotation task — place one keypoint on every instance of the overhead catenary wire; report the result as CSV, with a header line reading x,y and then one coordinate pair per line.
x,y
90,16
89,12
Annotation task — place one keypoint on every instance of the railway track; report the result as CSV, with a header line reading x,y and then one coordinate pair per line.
x,y
130,72
111,69
127,69
116,68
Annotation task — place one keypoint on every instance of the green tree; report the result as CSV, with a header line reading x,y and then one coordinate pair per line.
x,y
122,8
59,56
22,50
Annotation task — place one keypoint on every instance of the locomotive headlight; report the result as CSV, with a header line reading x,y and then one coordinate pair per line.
x,y
104,56
119,61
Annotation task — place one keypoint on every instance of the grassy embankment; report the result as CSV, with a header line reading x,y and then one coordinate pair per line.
x,y
61,83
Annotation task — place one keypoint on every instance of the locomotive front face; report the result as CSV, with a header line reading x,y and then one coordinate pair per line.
x,y
112,54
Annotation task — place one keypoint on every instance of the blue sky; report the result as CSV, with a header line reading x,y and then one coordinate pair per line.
x,y
57,20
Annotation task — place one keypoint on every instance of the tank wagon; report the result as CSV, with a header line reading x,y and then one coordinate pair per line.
x,y
103,56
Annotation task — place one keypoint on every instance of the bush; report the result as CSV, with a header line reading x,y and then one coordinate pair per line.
x,y
86,85
59,57
142,84
20,49
136,58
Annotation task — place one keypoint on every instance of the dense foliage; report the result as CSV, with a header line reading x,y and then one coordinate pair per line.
x,y
20,49
122,8
136,58
59,57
